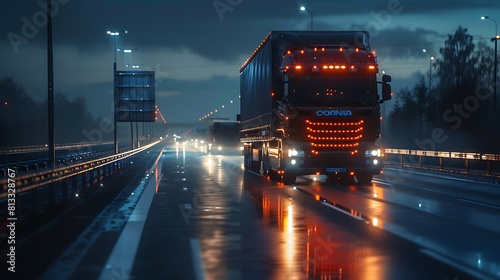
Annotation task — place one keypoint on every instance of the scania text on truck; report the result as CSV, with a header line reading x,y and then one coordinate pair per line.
x,y
310,105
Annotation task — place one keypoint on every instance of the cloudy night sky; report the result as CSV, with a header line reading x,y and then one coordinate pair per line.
x,y
197,46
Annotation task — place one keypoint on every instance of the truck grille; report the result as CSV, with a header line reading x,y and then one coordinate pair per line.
x,y
334,135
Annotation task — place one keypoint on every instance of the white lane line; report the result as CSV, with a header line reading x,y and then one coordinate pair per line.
x,y
121,259
198,265
479,203
342,211
455,264
381,182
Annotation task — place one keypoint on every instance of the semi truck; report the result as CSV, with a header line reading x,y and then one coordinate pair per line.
x,y
222,137
310,104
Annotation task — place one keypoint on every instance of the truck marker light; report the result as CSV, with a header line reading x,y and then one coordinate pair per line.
x,y
298,67
315,49
337,67
352,173
322,49
342,67
325,67
357,49
331,66
371,67
302,51
340,49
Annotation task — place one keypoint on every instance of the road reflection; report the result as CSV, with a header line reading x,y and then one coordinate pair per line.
x,y
306,245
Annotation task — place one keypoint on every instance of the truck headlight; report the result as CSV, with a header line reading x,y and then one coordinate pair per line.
x,y
373,153
295,153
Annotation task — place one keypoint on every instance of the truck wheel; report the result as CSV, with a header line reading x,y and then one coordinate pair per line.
x,y
364,179
289,179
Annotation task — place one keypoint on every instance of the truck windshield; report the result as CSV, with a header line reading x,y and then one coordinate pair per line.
x,y
333,90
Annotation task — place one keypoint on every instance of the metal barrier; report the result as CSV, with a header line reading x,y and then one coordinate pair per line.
x,y
467,157
30,181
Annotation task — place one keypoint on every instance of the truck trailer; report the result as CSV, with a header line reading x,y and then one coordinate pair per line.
x,y
225,138
310,105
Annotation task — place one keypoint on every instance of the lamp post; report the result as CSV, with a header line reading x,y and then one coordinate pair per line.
x,y
115,129
50,89
232,109
494,39
495,79
431,58
127,53
303,8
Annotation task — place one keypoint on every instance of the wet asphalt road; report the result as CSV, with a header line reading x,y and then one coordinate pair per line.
x,y
211,219
204,217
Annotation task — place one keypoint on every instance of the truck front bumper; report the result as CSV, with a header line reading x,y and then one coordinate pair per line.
x,y
333,165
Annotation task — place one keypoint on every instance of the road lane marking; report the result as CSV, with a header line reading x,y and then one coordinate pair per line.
x,y
456,265
197,259
381,182
479,203
123,254
342,211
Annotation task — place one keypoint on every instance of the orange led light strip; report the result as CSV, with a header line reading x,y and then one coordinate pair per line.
x,y
335,138
335,145
334,131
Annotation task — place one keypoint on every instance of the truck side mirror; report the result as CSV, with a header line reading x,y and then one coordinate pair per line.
x,y
386,88
238,117
386,92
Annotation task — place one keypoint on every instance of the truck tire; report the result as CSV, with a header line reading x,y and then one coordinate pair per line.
x,y
364,179
289,179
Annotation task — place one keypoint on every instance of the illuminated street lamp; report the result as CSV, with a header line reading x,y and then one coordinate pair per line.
x,y
303,8
127,53
431,58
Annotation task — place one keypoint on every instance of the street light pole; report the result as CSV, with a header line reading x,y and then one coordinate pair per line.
x,y
431,58
50,79
303,8
115,129
495,80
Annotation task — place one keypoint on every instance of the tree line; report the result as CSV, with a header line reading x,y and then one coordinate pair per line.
x,y
456,111
24,122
